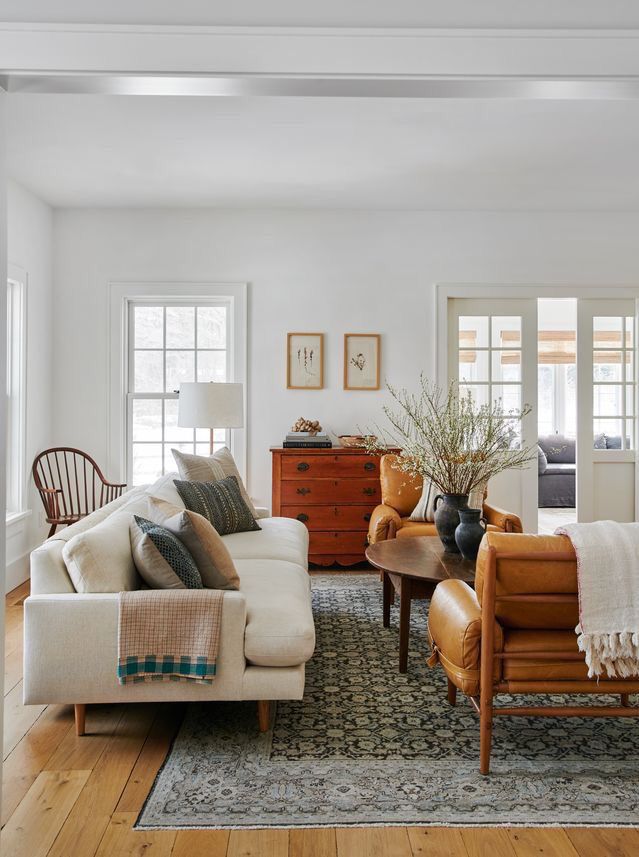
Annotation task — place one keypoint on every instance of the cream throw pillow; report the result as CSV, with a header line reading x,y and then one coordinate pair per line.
x,y
476,496
202,541
211,468
425,508
164,489
100,559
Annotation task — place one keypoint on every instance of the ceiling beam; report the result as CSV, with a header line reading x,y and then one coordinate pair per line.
x,y
244,86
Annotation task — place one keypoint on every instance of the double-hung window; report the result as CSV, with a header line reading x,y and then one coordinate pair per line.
x,y
16,398
169,342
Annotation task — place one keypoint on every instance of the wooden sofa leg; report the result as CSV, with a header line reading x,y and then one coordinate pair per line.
x,y
452,693
80,718
264,714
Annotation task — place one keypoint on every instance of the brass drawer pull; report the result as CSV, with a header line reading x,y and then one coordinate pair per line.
x,y
302,517
370,465
368,491
367,517
303,491
303,466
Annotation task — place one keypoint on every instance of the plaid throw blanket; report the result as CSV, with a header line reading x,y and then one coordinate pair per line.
x,y
169,635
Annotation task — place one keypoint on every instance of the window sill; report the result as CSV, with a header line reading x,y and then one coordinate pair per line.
x,y
15,517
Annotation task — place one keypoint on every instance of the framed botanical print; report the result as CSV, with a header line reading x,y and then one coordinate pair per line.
x,y
362,355
305,361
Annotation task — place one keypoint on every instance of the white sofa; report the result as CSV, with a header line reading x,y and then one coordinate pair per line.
x,y
267,633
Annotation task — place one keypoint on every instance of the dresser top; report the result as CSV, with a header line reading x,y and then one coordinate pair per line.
x,y
335,450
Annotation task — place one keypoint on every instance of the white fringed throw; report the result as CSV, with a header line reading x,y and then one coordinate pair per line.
x,y
608,579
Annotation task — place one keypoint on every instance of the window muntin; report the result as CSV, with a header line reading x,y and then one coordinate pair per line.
x,y
614,384
169,342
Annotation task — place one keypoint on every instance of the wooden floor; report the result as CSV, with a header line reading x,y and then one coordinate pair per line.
x,y
79,797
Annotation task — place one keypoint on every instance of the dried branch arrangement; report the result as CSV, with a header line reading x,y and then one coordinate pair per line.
x,y
450,440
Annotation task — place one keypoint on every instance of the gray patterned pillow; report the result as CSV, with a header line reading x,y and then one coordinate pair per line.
x,y
161,559
219,502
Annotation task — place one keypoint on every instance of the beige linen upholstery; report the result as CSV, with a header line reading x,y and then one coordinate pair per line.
x,y
279,622
164,489
71,638
100,559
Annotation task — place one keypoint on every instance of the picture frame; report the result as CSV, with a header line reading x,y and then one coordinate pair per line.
x,y
362,361
305,361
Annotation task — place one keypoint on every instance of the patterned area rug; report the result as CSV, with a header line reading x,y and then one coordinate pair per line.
x,y
370,746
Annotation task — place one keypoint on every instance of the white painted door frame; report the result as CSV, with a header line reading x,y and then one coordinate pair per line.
x,y
446,291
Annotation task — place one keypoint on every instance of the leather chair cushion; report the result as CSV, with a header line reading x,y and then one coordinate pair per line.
x,y
530,576
542,669
416,528
400,490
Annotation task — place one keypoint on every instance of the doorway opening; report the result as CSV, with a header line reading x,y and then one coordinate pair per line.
x,y
556,412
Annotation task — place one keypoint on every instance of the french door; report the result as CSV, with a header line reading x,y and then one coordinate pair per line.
x,y
492,354
606,410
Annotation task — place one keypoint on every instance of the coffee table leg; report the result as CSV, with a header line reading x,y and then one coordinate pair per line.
x,y
387,589
404,623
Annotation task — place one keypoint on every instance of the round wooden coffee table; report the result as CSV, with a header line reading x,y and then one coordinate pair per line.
x,y
413,567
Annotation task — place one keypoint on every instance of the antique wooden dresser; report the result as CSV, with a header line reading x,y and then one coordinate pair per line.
x,y
333,492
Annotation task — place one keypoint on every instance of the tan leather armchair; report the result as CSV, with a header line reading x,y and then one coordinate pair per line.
x,y
400,494
515,633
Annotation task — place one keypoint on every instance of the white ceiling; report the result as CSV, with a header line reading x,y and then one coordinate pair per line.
x,y
331,13
325,153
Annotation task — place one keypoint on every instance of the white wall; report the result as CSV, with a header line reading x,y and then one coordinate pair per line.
x,y
30,226
334,272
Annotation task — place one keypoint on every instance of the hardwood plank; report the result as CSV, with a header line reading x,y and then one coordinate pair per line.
x,y
373,842
84,828
611,841
487,842
201,843
120,840
312,843
24,763
258,843
12,669
36,822
17,595
83,751
156,746
549,841
18,718
437,842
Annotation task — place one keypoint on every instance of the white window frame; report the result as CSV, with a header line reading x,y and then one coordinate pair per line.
x,y
122,296
16,393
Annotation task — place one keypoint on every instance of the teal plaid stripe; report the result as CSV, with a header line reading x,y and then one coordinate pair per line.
x,y
160,668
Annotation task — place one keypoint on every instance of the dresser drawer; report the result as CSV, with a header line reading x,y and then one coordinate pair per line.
x,y
314,492
337,543
348,466
330,517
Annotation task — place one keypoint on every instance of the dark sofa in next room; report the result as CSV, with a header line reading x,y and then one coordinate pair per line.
x,y
557,468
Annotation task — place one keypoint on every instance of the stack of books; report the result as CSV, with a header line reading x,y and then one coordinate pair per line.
x,y
306,440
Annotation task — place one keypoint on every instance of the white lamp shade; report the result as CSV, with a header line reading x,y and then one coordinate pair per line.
x,y
211,405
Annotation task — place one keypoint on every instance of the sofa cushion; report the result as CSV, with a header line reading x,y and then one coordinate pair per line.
x,y
100,559
160,557
416,528
558,449
219,502
164,489
542,461
279,538
279,621
560,470
202,540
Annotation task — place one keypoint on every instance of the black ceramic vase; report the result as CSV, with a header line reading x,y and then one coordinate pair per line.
x,y
447,508
470,532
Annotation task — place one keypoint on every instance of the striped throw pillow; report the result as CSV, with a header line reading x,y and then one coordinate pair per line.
x,y
219,502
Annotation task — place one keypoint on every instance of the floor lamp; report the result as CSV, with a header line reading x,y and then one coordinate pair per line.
x,y
211,405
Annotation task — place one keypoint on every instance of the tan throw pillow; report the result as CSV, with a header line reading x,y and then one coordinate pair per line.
x,y
99,559
211,468
201,539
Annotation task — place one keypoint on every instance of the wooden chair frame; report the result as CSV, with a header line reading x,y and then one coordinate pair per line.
x,y
488,688
65,477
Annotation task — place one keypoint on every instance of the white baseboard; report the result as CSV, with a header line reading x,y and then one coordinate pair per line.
x,y
17,572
